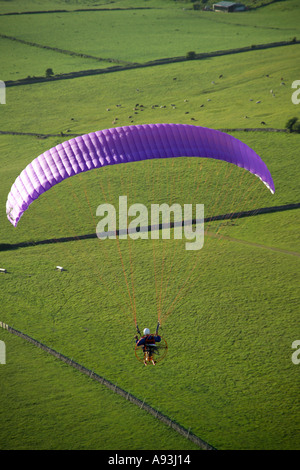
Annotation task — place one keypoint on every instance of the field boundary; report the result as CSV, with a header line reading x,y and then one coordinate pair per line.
x,y
80,10
133,66
229,216
69,134
113,387
65,51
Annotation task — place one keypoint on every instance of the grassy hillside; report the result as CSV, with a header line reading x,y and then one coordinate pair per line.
x,y
194,87
43,408
228,375
229,364
168,30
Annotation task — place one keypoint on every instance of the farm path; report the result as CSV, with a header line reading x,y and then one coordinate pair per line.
x,y
257,245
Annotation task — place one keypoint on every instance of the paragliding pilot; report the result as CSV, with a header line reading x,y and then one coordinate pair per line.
x,y
147,341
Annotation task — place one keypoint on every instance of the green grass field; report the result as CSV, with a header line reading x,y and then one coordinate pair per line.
x,y
228,375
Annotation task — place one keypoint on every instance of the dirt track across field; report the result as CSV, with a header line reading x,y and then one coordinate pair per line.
x,y
257,245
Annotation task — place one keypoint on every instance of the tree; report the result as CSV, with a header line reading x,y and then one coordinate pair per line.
x,y
49,73
293,125
191,55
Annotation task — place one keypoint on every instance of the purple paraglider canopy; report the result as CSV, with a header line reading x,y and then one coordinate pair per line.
x,y
123,145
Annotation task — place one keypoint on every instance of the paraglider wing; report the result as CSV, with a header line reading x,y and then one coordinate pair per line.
x,y
123,145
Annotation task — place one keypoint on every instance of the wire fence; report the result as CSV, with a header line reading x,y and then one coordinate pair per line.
x,y
123,393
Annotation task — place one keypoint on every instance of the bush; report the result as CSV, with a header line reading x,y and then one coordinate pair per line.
x,y
191,55
293,125
296,127
49,73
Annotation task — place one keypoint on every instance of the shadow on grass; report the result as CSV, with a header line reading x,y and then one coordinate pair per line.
x,y
233,215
